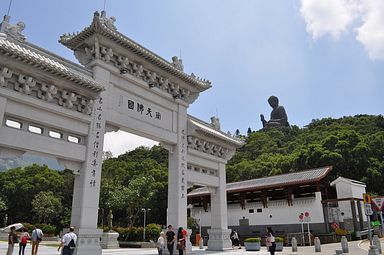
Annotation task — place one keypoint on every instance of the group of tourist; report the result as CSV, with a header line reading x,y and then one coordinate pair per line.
x,y
22,239
68,242
169,238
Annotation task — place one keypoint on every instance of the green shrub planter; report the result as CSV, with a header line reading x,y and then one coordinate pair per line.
x,y
279,243
252,244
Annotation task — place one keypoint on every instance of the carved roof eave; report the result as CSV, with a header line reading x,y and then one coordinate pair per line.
x,y
28,56
206,130
76,40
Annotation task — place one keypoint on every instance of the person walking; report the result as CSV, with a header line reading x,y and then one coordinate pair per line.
x,y
36,238
235,239
270,241
12,240
171,238
24,237
161,243
181,240
68,242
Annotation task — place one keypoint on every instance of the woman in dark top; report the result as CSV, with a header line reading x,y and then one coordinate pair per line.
x,y
181,233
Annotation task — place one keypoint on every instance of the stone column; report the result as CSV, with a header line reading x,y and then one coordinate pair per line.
x,y
361,215
177,174
354,216
86,191
219,233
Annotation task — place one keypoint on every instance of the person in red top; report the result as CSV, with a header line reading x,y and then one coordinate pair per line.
x,y
24,237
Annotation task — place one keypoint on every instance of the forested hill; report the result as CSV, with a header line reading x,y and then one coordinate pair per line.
x,y
354,146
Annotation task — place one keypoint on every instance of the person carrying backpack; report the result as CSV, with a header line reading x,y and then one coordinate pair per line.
x,y
68,242
24,237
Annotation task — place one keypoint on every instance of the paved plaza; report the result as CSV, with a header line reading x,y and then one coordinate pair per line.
x,y
356,248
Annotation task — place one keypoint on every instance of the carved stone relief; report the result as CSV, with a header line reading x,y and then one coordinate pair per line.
x,y
87,54
207,147
48,92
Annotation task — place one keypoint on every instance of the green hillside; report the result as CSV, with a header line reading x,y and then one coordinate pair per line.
x,y
354,146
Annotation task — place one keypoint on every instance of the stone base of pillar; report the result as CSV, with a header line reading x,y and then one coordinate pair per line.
x,y
88,242
109,240
219,240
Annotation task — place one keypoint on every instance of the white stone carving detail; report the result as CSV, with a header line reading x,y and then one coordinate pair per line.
x,y
177,63
47,92
28,85
125,66
13,31
67,99
25,84
122,62
137,70
5,75
108,22
106,54
207,147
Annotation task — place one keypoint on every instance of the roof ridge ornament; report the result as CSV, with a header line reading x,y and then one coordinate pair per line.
x,y
109,22
177,63
13,31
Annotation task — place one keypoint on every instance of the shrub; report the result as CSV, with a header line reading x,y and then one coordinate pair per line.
x,y
279,239
47,228
252,240
152,231
28,226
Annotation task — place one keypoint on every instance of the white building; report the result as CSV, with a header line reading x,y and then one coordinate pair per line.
x,y
278,201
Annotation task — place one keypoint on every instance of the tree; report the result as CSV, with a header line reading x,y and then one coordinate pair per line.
x,y
3,206
46,206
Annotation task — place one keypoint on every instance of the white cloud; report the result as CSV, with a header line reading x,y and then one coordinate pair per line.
x,y
120,142
335,17
371,33
328,16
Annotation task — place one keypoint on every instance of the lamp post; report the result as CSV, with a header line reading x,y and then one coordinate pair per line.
x,y
201,243
145,210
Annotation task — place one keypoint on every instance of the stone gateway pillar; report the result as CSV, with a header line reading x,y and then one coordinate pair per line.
x,y
219,234
177,174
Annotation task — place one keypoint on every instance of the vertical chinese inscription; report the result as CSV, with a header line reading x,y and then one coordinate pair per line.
x,y
96,146
183,165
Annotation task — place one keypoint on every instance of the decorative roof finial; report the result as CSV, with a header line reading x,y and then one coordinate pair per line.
x,y
108,22
13,31
177,63
215,122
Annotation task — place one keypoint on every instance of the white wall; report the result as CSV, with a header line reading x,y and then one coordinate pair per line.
x,y
279,209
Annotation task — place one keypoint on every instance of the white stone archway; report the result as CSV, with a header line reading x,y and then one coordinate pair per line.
x,y
120,86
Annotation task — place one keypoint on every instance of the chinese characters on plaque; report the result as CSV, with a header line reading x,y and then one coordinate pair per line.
x,y
143,110
97,131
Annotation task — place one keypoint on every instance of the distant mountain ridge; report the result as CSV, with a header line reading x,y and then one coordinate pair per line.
x,y
28,159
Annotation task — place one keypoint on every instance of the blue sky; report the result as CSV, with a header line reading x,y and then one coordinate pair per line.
x,y
322,58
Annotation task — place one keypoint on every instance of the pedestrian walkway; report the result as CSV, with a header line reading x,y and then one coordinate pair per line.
x,y
355,248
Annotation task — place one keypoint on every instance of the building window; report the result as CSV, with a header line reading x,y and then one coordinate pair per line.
x,y
259,210
13,124
55,134
251,210
73,139
36,130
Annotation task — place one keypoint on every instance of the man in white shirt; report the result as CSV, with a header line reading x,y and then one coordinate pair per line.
x,y
36,238
68,242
